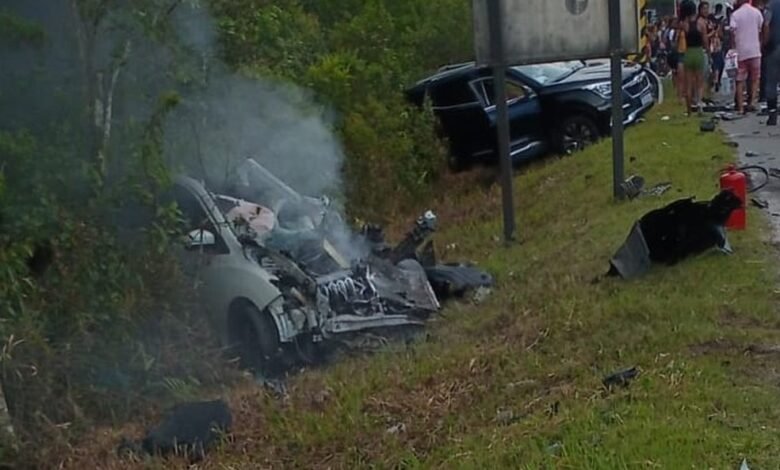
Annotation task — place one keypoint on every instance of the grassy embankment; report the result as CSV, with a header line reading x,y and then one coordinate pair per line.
x,y
515,382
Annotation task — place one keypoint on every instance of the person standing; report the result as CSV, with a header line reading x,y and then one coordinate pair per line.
x,y
695,60
761,5
747,23
716,47
772,43
704,23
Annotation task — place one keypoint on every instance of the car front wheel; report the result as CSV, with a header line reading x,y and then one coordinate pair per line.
x,y
255,338
575,133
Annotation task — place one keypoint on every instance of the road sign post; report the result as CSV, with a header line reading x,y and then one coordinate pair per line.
x,y
498,63
516,32
616,66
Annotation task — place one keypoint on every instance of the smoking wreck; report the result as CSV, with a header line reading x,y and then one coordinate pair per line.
x,y
282,274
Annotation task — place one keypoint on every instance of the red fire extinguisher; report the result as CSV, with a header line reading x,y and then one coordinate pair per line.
x,y
736,182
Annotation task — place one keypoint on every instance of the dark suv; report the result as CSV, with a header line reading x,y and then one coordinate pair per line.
x,y
561,106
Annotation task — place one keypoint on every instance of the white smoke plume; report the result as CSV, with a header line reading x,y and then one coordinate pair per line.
x,y
229,118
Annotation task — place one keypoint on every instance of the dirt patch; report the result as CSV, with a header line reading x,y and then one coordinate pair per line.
x,y
732,318
763,349
716,346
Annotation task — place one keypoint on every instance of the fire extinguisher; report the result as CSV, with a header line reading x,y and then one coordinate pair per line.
x,y
735,181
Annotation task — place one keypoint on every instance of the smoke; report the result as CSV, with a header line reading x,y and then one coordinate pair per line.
x,y
223,117
228,118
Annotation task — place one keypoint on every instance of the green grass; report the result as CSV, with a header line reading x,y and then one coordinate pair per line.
x,y
540,345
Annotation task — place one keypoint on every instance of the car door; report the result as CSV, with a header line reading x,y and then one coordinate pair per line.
x,y
462,118
524,112
197,227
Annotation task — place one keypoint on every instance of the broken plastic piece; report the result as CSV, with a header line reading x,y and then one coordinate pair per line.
x,y
633,257
658,189
454,280
707,126
621,378
632,187
760,203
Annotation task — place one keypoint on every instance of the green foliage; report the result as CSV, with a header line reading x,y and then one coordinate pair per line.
x,y
15,30
95,317
277,38
359,56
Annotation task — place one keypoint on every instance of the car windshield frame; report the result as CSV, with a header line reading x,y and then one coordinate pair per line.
x,y
552,72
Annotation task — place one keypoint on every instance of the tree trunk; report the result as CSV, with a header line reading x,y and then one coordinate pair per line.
x,y
107,112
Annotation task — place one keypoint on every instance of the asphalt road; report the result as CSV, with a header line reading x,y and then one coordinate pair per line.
x,y
759,144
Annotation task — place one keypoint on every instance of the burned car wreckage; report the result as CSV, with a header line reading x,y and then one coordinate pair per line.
x,y
280,273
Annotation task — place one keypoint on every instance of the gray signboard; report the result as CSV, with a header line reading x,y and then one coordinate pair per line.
x,y
537,31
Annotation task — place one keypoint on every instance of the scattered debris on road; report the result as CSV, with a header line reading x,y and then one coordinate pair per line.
x,y
621,378
760,203
726,116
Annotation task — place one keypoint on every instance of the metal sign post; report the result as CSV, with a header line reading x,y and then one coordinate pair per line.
x,y
498,62
616,66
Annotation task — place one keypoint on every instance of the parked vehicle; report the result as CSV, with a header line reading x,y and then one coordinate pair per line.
x,y
561,106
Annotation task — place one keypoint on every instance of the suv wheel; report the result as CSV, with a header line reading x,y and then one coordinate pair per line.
x,y
254,337
575,133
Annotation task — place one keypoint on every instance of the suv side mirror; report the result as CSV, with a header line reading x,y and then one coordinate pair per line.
x,y
200,238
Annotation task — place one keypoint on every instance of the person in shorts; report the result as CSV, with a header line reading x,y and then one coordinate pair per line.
x,y
747,24
695,56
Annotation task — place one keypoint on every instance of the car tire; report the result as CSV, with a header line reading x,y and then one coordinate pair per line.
x,y
255,339
576,132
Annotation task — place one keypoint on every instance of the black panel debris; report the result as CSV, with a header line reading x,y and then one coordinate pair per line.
x,y
672,233
189,429
621,378
455,280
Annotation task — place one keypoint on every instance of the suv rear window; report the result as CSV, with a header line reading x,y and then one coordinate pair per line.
x,y
486,92
452,93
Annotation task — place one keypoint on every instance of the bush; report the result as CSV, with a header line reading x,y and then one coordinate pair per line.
x,y
95,323
359,56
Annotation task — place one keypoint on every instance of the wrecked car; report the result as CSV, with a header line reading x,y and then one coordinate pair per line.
x,y
280,272
560,106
